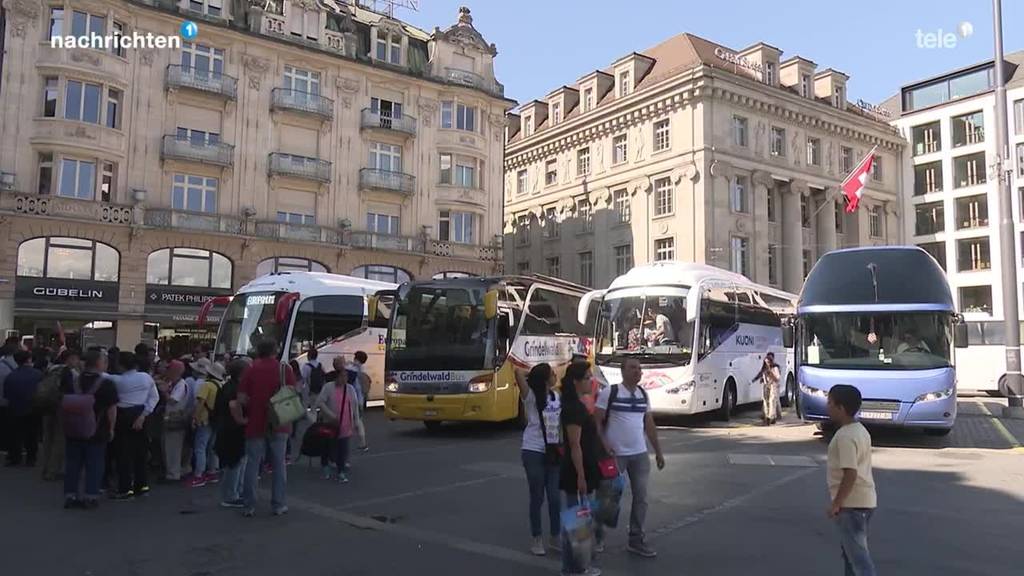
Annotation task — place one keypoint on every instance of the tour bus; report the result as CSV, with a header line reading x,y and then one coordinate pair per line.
x,y
453,344
303,310
700,333
984,358
881,319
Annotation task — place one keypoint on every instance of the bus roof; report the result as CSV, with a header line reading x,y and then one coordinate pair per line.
x,y
908,279
673,273
487,281
315,284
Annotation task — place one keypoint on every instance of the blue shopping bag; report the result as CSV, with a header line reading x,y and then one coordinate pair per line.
x,y
578,529
609,497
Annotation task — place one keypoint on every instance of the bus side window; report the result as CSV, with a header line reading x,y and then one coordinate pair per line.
x,y
504,334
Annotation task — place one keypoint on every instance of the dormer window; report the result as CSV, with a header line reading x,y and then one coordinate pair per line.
x,y
588,99
805,85
304,22
556,113
528,126
625,83
838,97
769,73
389,47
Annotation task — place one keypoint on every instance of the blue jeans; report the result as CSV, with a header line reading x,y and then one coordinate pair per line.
x,y
255,448
205,439
853,535
79,455
569,565
543,481
231,482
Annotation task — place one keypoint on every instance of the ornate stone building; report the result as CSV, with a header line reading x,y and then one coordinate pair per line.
x,y
692,151
135,183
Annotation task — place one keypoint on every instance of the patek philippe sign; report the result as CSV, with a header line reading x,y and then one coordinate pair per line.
x,y
176,304
56,290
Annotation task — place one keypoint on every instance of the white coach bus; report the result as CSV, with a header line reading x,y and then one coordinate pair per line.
x,y
701,334
981,366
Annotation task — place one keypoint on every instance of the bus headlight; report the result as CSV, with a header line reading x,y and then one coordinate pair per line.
x,y
685,387
932,396
391,387
480,384
813,392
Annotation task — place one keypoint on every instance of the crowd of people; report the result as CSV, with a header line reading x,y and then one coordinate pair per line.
x,y
106,420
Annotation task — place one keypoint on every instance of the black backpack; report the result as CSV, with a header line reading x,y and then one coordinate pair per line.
x,y
316,378
614,393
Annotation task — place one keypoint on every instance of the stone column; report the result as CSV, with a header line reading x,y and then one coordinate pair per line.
x,y
891,223
827,221
6,314
760,184
129,333
792,236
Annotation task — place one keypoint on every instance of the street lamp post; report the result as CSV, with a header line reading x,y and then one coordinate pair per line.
x,y
1014,381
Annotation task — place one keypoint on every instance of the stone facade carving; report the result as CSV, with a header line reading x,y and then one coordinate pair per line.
x,y
24,13
255,70
828,158
759,138
427,109
464,35
90,57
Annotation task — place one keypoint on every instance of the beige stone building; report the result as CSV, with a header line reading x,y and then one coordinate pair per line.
x,y
695,152
137,182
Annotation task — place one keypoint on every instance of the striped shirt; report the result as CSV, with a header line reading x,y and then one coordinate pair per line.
x,y
625,428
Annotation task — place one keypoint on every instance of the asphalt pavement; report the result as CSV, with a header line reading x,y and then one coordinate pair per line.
x,y
735,499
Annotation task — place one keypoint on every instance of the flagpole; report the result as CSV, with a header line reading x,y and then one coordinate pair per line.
x,y
1008,255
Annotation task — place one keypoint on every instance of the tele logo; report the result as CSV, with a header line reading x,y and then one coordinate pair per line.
x,y
943,39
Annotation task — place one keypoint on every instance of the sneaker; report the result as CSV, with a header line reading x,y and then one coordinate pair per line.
x,y
71,503
342,478
232,503
537,548
143,491
599,546
592,571
90,503
281,511
348,465
288,461
267,469
123,496
198,482
213,478
326,473
640,548
555,543
248,512
364,448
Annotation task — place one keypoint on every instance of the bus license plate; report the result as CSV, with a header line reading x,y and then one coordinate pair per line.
x,y
876,415
429,413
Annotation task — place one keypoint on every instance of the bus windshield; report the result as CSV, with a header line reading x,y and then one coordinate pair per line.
x,y
248,319
439,329
877,341
653,328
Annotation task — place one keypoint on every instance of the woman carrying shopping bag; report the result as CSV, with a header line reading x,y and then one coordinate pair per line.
x,y
580,474
542,450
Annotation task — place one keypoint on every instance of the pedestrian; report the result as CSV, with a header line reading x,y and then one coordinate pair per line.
x,y
542,451
205,457
7,365
626,424
146,357
20,389
771,407
258,385
338,406
114,360
851,483
137,397
229,440
66,369
312,381
85,451
579,473
177,418
363,384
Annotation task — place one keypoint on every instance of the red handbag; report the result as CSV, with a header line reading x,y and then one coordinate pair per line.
x,y
609,468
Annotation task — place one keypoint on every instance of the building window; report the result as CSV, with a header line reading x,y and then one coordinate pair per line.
x,y
1020,160
623,259
937,250
389,47
108,171
875,221
522,268
876,169
382,273
845,159
588,99
56,28
461,117
197,137
585,213
68,258
805,212
662,137
188,267
1018,117
50,97
625,83
194,193
805,85
945,90
769,73
385,157
773,264
77,179
927,138
556,113
778,142
301,82
551,172
553,266
383,224
113,119
928,178
523,231
208,7
202,60
839,97
622,206
551,224
976,299
968,129
455,226
664,197
929,218
739,131
773,215
973,255
738,195
587,268
664,249
969,170
296,218
807,263
82,101
458,170
739,249
619,149
281,264
813,152
972,212
840,216
521,182
583,161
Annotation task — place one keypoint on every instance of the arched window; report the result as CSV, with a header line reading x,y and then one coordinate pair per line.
x,y
452,274
188,267
288,264
382,273
72,258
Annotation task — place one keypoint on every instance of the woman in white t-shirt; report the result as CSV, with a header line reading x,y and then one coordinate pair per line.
x,y
541,450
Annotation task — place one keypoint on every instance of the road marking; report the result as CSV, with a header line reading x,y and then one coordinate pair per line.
x,y
766,460
1014,444
421,492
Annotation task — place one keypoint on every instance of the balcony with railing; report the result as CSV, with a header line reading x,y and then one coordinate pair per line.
x,y
302,102
206,81
300,167
204,221
473,80
298,232
373,120
472,251
67,208
386,180
375,241
215,153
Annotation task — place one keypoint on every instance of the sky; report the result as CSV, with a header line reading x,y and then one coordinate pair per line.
x,y
544,44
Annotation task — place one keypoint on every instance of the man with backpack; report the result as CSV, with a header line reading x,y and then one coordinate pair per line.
x,y
312,374
47,401
625,424
20,390
206,462
88,411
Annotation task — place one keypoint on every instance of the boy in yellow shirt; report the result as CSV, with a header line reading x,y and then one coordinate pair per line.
x,y
205,456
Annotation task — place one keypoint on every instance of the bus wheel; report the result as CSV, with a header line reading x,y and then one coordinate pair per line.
x,y
728,401
938,431
432,425
789,397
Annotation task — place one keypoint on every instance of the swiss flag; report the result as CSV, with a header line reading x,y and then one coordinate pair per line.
x,y
853,185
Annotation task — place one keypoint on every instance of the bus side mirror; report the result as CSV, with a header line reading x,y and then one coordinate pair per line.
x,y
787,336
491,304
371,307
960,336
